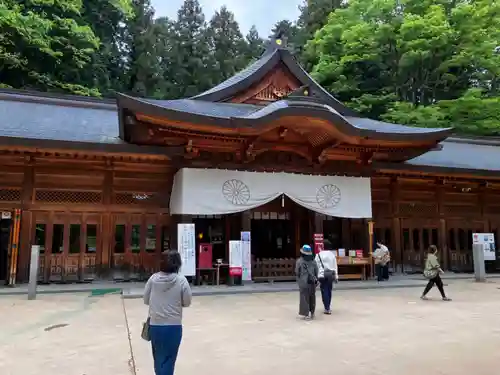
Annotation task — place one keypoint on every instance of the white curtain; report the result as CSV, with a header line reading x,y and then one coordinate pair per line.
x,y
218,192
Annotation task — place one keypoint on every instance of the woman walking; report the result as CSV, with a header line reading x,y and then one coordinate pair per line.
x,y
306,271
432,272
166,293
328,273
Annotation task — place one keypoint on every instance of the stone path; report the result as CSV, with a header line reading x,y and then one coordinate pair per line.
x,y
385,331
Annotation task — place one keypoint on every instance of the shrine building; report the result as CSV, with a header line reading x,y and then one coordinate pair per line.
x,y
100,185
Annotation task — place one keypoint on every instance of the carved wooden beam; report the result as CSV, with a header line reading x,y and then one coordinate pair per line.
x,y
318,154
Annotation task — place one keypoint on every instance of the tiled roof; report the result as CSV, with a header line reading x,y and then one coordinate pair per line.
x,y
462,154
200,107
63,122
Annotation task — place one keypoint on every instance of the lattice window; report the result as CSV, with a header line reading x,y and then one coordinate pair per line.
x,y
10,195
461,210
417,209
67,196
125,198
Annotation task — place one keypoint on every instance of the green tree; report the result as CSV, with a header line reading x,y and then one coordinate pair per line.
x,y
374,55
143,62
255,44
165,48
193,60
227,44
44,45
313,16
108,68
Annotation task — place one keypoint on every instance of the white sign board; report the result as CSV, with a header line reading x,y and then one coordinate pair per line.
x,y
186,247
488,242
235,258
247,256
6,215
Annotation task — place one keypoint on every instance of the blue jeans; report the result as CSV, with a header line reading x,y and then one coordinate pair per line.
x,y
326,286
165,342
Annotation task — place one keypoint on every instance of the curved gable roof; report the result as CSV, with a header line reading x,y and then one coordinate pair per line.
x,y
259,69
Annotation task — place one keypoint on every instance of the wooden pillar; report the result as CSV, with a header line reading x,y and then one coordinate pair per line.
x,y
318,223
26,230
346,233
65,252
83,247
246,221
370,246
396,225
105,251
443,245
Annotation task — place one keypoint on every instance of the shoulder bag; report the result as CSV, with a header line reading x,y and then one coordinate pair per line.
x,y
327,274
145,330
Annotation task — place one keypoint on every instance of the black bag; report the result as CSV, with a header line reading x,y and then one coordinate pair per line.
x,y
327,274
311,278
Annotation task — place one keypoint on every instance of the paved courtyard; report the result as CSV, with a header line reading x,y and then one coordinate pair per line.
x,y
387,331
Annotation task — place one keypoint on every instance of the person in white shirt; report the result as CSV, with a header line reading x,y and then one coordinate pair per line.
x,y
382,257
328,273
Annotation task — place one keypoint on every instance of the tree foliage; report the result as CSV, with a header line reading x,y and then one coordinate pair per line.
x,y
412,61
44,45
227,45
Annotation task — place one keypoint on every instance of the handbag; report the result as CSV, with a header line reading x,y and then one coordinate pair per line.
x,y
145,330
311,278
327,274
430,274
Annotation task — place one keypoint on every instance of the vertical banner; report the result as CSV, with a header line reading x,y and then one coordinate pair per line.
x,y
488,242
186,246
319,244
235,258
247,256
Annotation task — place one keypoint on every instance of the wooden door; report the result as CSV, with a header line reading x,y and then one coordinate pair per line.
x,y
416,237
459,243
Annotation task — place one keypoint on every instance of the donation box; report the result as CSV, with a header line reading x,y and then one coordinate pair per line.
x,y
205,256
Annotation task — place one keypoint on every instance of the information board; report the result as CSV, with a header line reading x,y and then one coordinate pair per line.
x,y
488,242
186,246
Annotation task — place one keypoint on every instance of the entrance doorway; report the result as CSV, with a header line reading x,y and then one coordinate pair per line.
x,y
273,238
4,247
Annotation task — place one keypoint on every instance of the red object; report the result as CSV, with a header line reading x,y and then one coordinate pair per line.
x,y
235,271
319,244
359,253
205,257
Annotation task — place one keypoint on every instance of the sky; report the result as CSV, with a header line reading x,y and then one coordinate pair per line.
x,y
263,13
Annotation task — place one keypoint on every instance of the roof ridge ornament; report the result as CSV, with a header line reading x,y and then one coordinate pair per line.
x,y
278,41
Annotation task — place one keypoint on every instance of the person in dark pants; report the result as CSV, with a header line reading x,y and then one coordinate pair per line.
x,y
166,293
382,257
306,272
327,275
432,272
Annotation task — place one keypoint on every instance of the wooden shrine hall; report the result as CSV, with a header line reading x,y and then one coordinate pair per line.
x,y
100,185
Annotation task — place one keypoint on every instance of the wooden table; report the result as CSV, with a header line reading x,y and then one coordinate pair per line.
x,y
362,263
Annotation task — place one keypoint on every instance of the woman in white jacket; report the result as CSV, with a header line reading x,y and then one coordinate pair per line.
x,y
328,273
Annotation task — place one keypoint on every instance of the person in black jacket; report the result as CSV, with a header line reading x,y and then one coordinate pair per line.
x,y
306,271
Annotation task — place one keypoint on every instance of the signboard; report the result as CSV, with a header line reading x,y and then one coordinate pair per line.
x,y
187,248
235,258
319,244
247,256
6,214
205,256
488,242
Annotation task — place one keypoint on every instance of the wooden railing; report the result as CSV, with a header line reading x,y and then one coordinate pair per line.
x,y
273,269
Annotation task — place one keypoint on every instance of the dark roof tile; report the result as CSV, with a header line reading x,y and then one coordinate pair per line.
x,y
34,120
